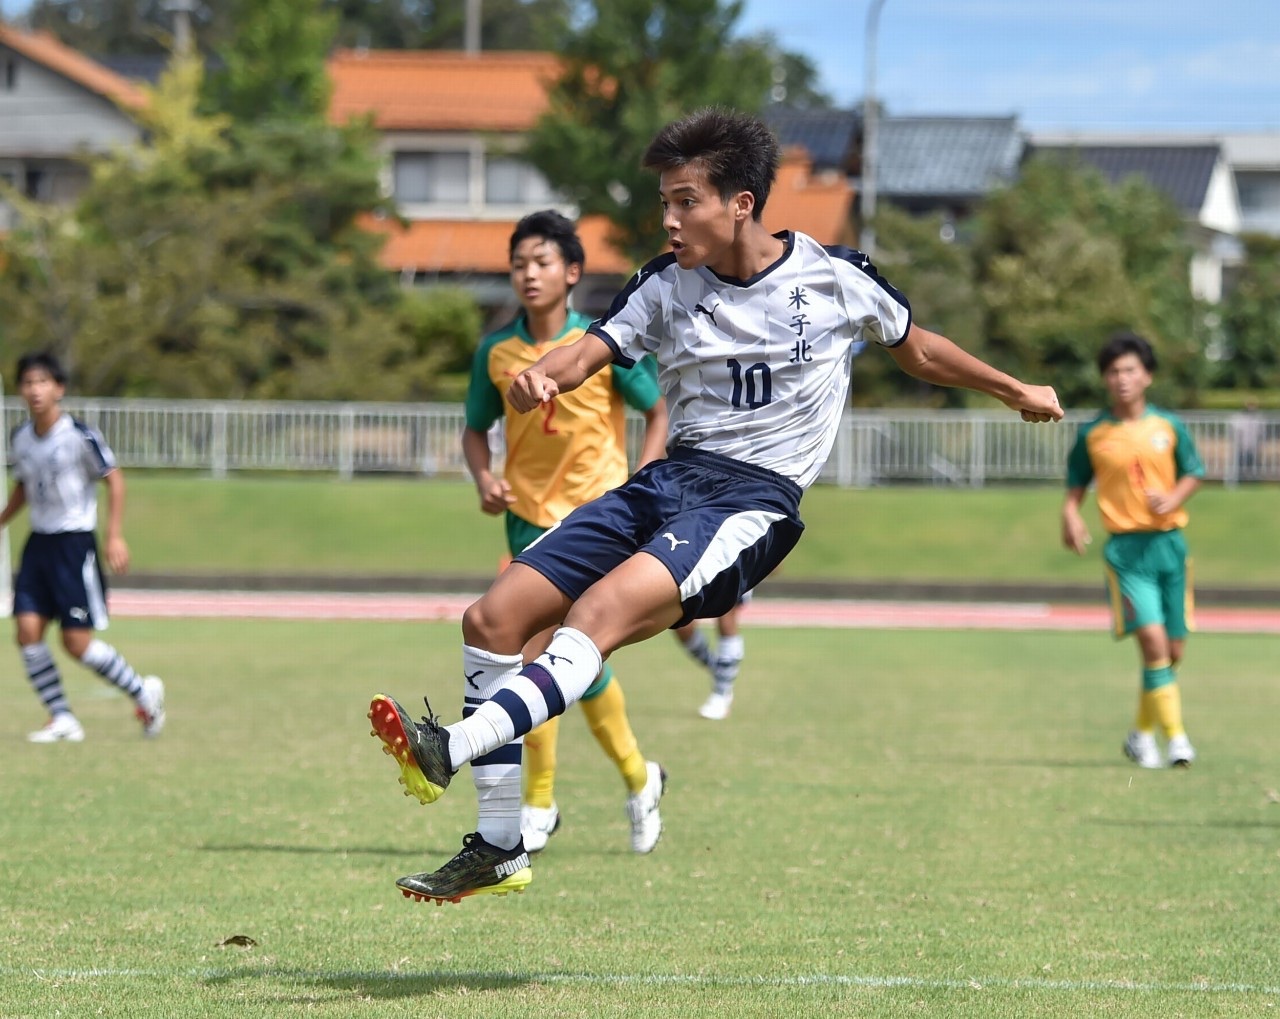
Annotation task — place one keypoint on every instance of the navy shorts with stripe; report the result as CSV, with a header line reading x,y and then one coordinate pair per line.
x,y
61,578
720,526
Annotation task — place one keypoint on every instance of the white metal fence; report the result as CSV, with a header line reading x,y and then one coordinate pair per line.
x,y
873,447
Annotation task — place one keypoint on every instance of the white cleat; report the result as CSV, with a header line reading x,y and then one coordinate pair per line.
x,y
1141,749
1180,751
150,709
716,706
642,810
63,727
537,825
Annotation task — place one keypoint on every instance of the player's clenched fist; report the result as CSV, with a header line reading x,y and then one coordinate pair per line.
x,y
530,389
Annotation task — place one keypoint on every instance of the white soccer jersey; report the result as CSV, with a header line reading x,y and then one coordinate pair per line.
x,y
758,369
59,472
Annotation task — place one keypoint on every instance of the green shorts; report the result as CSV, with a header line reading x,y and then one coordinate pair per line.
x,y
520,535
1149,581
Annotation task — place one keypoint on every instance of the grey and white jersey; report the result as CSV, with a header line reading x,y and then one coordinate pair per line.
x,y
59,472
758,369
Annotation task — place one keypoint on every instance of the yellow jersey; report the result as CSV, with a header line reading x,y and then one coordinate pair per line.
x,y
1129,458
570,450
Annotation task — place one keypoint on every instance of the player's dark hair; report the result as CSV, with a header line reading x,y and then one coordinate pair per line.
x,y
1126,343
737,151
41,360
553,228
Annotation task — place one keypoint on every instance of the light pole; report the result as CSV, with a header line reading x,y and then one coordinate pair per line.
x,y
870,116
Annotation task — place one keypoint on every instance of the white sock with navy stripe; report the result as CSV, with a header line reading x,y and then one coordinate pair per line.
x,y
496,775
108,663
45,679
545,687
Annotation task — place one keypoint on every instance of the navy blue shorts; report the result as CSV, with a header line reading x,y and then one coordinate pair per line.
x,y
720,526
60,578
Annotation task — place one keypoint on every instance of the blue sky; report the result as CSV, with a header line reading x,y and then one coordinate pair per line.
x,y
1171,66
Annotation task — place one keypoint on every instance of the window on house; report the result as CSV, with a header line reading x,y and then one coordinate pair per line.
x,y
511,181
432,177
10,75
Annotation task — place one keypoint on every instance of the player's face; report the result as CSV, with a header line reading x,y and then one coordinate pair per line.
x,y
1126,379
540,276
699,223
40,391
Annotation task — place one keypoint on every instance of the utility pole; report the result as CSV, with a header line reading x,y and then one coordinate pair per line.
x,y
472,37
870,140
181,11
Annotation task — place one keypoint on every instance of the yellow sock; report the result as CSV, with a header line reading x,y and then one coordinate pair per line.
x,y
607,716
539,764
1144,720
1166,708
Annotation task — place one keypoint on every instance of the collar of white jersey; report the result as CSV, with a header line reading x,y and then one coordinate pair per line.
x,y
788,239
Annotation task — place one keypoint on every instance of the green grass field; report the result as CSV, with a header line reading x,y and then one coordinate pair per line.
x,y
180,523
891,824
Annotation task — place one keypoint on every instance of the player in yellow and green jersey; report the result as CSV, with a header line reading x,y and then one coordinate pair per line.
x,y
568,453
1146,467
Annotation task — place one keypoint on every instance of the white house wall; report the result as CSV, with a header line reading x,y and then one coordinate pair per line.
x,y
45,115
1221,209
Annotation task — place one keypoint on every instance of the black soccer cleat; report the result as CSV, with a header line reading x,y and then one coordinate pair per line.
x,y
478,869
420,748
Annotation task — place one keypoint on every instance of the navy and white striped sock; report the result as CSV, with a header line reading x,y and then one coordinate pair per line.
x,y
108,663
496,775
45,679
543,688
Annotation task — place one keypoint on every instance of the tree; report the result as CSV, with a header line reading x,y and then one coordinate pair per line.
x,y
633,66
1251,320
937,276
1063,259
126,27
219,260
273,67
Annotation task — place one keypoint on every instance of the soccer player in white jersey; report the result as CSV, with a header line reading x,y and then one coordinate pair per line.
x,y
753,334
58,462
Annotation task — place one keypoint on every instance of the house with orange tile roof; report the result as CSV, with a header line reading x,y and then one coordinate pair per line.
x,y
451,128
57,105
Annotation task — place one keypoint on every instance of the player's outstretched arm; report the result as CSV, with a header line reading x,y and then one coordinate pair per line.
x,y
560,370
934,358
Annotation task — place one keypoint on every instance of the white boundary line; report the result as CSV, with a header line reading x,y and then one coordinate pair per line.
x,y
655,979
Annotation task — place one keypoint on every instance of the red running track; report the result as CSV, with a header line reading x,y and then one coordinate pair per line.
x,y
791,612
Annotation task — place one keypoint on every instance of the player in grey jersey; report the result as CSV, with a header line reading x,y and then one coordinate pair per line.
x,y
58,462
754,334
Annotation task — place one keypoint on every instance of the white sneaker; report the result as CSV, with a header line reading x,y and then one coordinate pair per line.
x,y
62,727
150,709
642,809
1140,747
1180,751
716,706
537,825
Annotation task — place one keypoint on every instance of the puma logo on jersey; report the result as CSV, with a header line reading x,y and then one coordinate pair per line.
x,y
472,677
674,540
79,614
709,312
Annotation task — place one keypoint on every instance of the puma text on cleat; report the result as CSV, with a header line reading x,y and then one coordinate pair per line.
x,y
478,869
642,810
150,709
420,748
537,825
63,727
